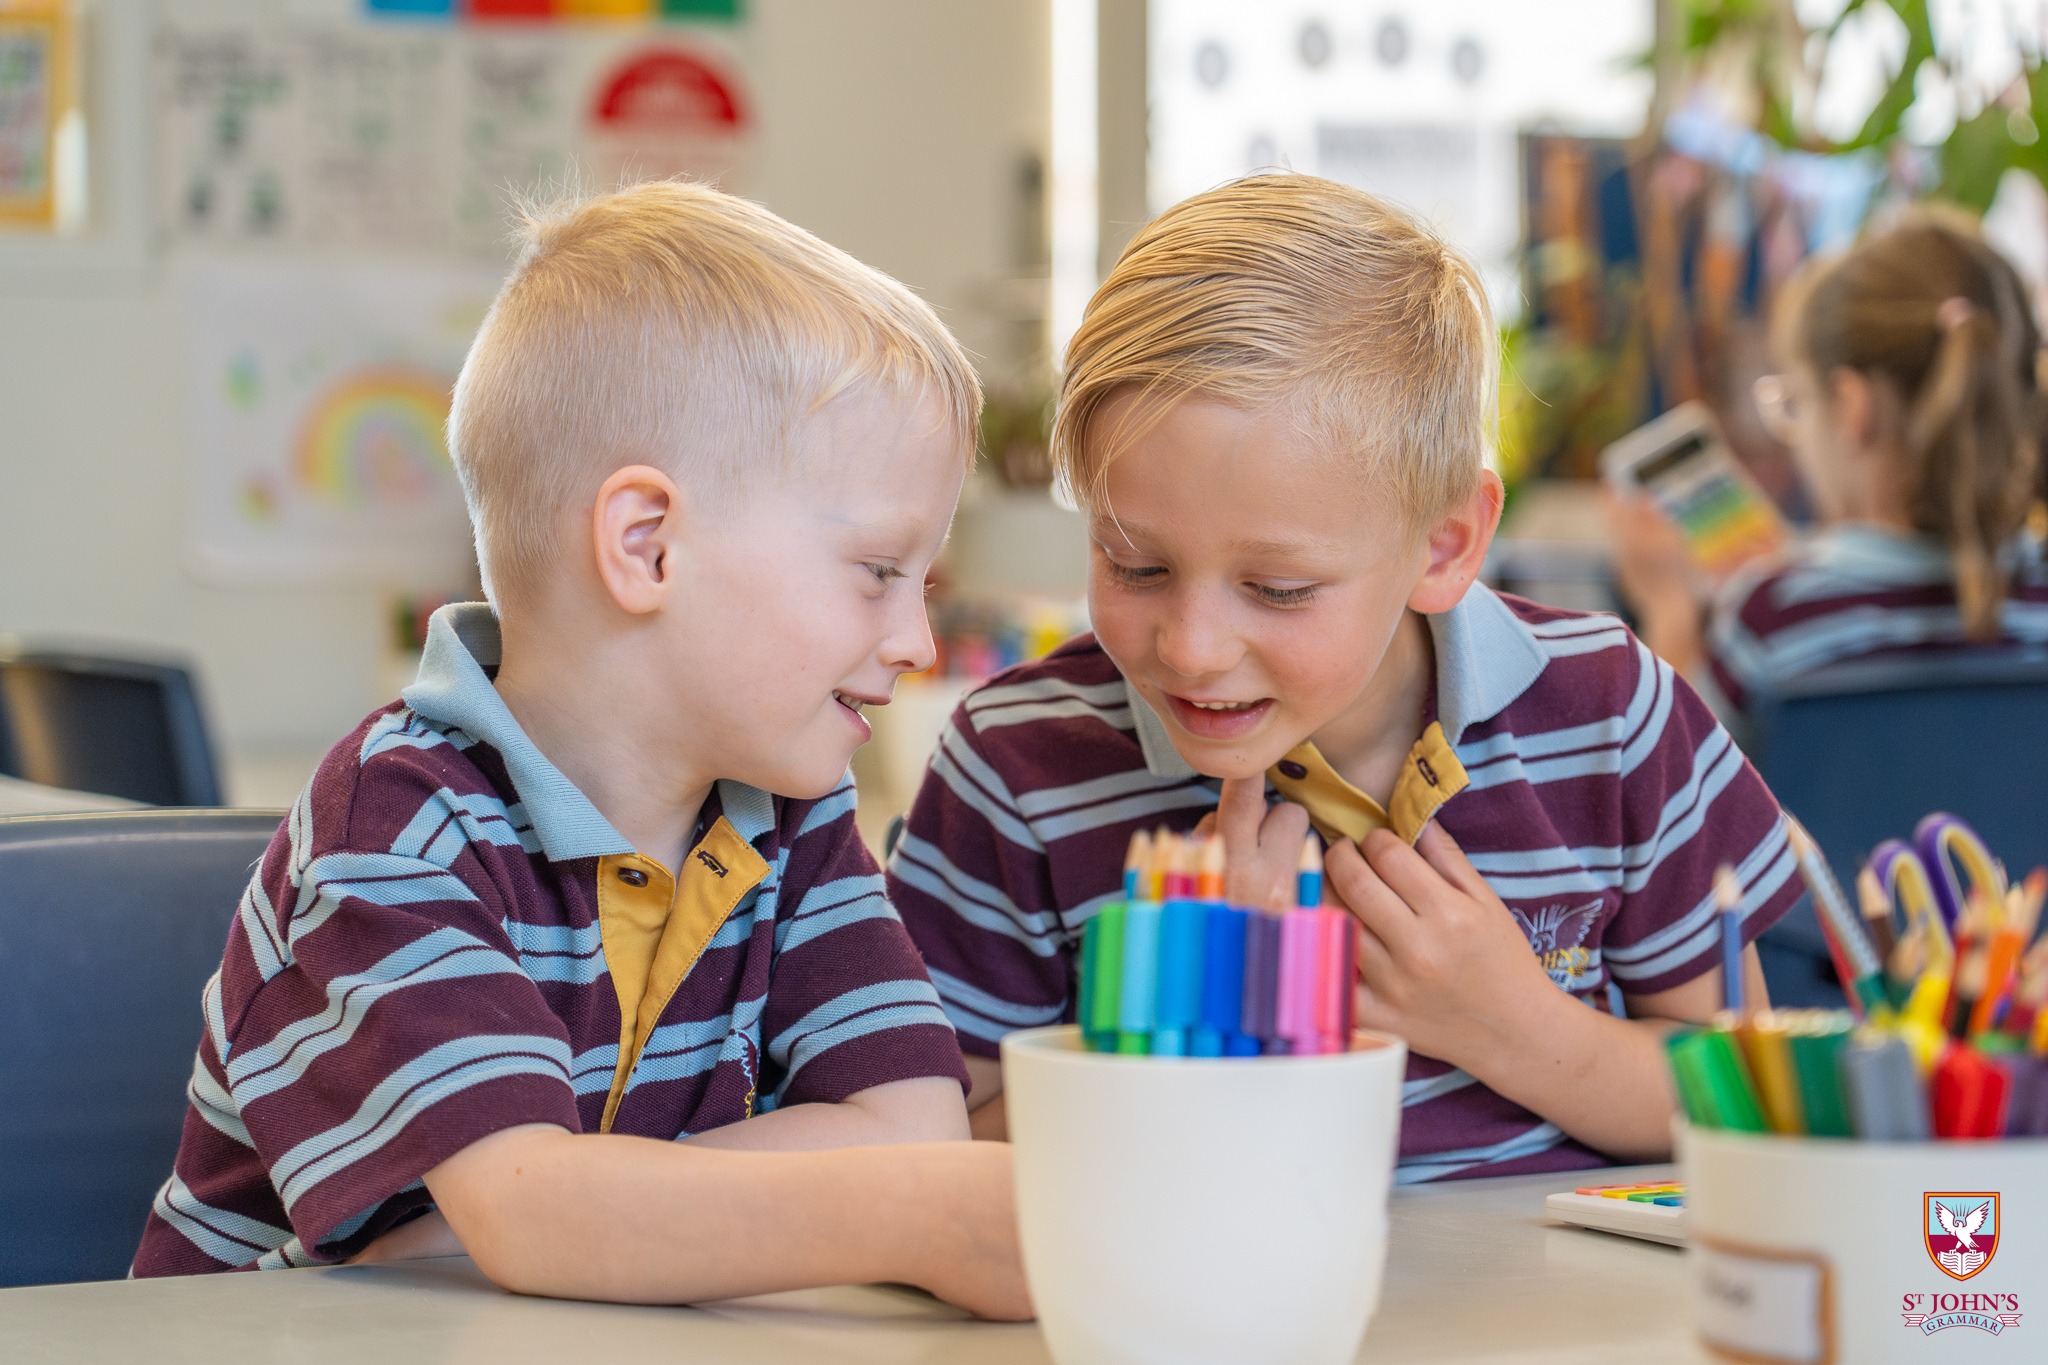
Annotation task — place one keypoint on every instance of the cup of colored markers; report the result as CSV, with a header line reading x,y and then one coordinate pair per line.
x,y
1174,970
1861,1180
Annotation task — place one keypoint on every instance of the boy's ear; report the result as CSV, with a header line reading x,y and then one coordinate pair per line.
x,y
1457,547
637,530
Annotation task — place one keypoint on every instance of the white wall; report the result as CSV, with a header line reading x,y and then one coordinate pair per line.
x,y
891,127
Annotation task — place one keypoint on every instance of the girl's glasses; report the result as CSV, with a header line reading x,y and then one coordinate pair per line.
x,y
1777,406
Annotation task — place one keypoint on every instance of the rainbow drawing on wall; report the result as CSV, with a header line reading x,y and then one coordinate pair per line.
x,y
376,437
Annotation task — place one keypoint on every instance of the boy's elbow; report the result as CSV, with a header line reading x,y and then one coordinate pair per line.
x,y
495,1207
926,1109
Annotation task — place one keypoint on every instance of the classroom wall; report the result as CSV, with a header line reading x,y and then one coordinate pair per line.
x,y
894,128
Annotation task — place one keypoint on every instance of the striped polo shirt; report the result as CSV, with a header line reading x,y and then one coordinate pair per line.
x,y
1597,796
446,939
1853,592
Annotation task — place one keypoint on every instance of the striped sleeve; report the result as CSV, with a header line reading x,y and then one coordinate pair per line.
x,y
1690,803
369,1020
397,1030
971,879
849,1006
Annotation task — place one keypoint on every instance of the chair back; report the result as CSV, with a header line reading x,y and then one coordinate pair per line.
x,y
110,926
131,728
1861,750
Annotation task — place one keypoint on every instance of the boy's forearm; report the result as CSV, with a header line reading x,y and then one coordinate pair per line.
x,y
635,1220
1601,1079
927,1109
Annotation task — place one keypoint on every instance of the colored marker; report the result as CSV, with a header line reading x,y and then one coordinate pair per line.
x,y
1334,966
1261,977
1295,1012
1970,1095
1137,1009
1223,932
1180,975
1767,1048
1886,1100
1816,1040
1102,969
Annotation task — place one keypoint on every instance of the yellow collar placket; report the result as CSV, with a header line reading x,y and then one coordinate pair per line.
x,y
656,925
1430,776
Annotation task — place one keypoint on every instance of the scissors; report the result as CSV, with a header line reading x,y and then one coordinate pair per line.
x,y
1932,879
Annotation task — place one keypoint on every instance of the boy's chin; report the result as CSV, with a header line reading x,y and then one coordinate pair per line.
x,y
1228,764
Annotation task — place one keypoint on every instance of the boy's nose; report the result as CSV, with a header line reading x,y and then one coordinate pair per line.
x,y
909,647
1194,641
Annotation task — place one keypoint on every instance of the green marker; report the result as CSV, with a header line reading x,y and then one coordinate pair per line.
x,y
1727,1077
1102,971
1816,1047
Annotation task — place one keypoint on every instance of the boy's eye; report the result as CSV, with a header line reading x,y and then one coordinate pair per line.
x,y
1282,597
884,573
1137,575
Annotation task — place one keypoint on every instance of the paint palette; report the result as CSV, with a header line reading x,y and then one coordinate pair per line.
x,y
1655,1212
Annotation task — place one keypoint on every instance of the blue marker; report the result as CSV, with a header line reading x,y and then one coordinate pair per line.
x,y
1222,979
1138,1002
1179,1006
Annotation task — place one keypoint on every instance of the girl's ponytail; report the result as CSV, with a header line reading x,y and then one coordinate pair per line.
x,y
1941,320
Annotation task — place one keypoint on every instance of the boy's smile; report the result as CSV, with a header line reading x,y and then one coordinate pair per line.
x,y
1256,593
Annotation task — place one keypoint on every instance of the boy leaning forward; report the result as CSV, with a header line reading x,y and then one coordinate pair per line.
x,y
1275,416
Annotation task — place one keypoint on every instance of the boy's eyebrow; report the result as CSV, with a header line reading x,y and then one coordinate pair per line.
x,y
1106,529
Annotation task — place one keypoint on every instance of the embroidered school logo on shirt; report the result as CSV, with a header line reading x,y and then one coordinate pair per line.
x,y
1558,934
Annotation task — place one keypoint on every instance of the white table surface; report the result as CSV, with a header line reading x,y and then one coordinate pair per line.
x,y
1475,1273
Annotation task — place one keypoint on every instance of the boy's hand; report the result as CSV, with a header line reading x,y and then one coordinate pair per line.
x,y
1443,962
1260,846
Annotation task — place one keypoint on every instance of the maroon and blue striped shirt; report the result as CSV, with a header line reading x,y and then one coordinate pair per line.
x,y
1602,798
421,960
1857,592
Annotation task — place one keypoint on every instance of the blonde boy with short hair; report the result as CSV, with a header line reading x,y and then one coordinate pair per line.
x,y
1275,415
588,903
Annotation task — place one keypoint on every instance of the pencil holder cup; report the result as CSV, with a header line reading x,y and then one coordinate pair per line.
x,y
1176,1211
1823,1250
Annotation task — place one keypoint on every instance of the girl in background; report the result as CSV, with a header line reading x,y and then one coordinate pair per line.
x,y
1911,408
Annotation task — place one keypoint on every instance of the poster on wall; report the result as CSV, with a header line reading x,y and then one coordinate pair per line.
x,y
317,402
34,95
427,138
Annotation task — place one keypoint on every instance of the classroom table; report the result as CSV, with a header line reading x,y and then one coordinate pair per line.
x,y
1474,1273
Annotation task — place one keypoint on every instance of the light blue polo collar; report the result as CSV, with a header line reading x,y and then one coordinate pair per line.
x,y
1485,658
453,690
1876,555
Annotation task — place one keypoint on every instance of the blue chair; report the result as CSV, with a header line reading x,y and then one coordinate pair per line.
x,y
1859,751
125,727
110,926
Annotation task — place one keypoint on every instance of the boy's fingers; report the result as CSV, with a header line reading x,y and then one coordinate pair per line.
x,y
1284,828
1405,872
1241,807
1365,895
1441,852
1205,826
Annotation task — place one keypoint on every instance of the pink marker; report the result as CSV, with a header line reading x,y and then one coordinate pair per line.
x,y
1295,1018
1334,965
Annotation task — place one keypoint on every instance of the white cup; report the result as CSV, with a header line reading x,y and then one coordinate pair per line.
x,y
1176,1211
1816,1250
